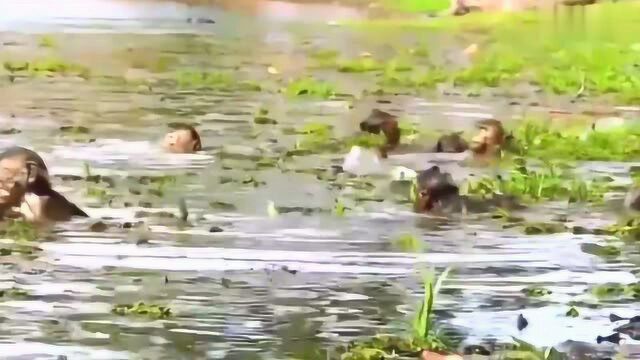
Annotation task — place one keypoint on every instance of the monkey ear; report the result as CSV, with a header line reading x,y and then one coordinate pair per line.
x,y
32,172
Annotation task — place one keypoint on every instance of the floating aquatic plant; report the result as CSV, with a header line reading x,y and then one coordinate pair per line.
x,y
543,228
195,79
20,230
536,291
607,251
57,66
428,79
613,291
627,229
526,351
339,208
408,243
310,86
13,293
47,41
572,312
140,308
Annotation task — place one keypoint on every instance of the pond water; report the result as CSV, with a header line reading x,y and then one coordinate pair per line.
x,y
265,288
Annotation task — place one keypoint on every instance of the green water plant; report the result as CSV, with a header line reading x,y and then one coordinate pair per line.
x,y
311,87
625,229
196,79
140,308
526,351
47,41
263,119
20,230
537,228
424,335
316,137
424,330
359,65
13,293
614,291
536,291
56,66
572,312
428,79
553,181
408,243
539,140
339,209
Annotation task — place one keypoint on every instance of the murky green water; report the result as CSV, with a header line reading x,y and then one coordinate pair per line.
x,y
268,288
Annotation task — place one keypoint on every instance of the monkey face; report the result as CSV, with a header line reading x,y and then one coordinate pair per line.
x,y
182,141
490,137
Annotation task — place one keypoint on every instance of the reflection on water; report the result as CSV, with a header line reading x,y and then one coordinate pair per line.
x,y
271,288
159,16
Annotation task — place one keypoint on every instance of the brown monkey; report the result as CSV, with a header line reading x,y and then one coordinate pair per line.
x,y
24,184
41,203
490,139
438,193
184,139
381,121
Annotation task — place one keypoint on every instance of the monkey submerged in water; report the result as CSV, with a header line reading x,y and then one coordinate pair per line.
x,y
438,193
451,143
26,190
184,139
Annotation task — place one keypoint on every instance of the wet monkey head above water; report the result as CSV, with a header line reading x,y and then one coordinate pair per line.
x,y
380,121
451,143
183,139
490,138
435,189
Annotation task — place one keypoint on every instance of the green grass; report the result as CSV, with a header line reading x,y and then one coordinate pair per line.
x,y
552,182
593,61
539,140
